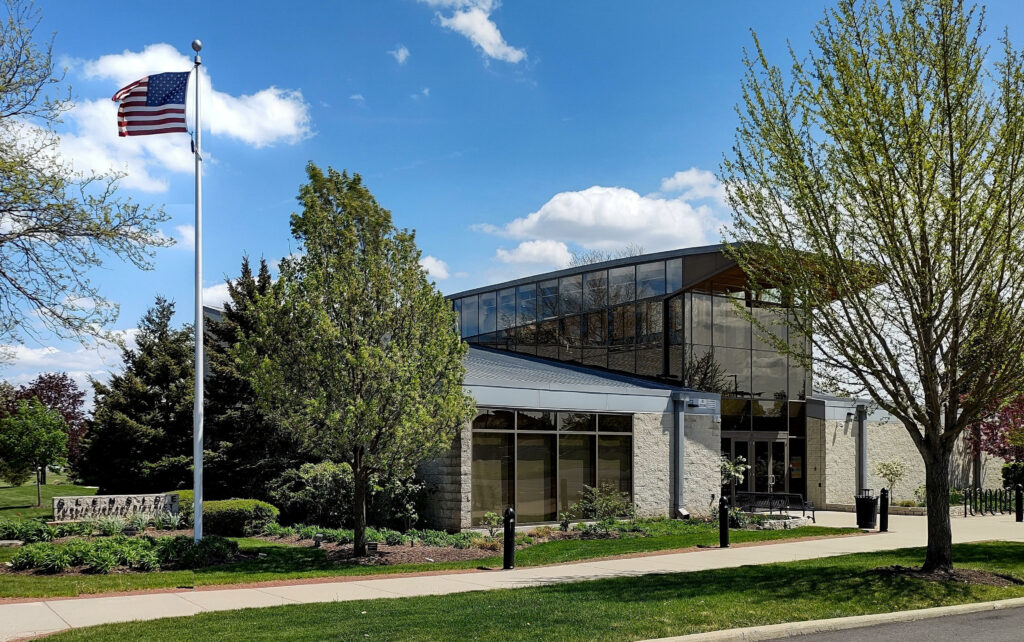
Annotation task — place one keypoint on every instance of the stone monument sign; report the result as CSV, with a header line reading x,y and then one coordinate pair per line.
x,y
70,509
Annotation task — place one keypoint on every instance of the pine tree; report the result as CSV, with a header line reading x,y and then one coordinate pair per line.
x,y
248,449
140,437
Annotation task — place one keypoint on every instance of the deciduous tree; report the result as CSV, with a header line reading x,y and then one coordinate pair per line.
x,y
878,184
33,437
353,347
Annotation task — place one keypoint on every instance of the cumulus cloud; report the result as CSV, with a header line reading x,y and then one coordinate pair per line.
x,y
695,184
268,116
400,53
472,19
185,237
215,295
80,361
435,267
609,218
546,252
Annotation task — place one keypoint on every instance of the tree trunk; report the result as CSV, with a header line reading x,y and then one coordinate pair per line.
x,y
39,489
359,513
940,535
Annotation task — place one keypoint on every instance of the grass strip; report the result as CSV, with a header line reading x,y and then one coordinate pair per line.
x,y
283,562
629,608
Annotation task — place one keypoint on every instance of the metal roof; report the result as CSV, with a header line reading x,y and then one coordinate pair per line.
x,y
495,368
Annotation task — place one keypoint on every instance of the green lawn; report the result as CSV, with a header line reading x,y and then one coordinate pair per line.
x,y
20,501
650,606
290,562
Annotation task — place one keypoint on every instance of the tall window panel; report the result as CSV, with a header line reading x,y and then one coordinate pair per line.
x,y
493,473
595,290
731,330
673,275
650,279
548,293
570,294
575,468
470,321
615,462
488,313
621,285
535,478
526,306
506,308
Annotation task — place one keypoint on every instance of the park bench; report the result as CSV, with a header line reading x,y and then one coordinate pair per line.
x,y
753,502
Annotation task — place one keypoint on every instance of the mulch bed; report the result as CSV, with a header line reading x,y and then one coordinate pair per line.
x,y
958,575
388,555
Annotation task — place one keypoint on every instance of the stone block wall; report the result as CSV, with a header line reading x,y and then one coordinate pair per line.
x,y
702,476
832,462
449,482
652,457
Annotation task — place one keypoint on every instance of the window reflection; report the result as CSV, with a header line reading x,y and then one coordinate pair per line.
x,y
526,297
595,290
570,294
506,308
650,279
621,285
673,275
470,322
548,299
488,312
730,329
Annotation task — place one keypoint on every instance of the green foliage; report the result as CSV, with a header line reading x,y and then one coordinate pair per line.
x,y
875,185
29,556
375,378
319,493
237,517
395,501
734,470
31,530
15,474
492,522
140,438
60,223
249,449
111,525
1013,474
101,561
604,503
32,437
893,472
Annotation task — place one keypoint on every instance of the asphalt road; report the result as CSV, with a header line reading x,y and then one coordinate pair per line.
x,y
987,626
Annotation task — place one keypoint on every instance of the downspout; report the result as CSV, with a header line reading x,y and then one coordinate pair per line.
x,y
679,509
862,448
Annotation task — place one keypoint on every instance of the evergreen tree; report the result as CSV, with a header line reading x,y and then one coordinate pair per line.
x,y
248,449
353,347
140,437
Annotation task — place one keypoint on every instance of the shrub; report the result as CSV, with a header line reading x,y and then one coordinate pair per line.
x,y
338,535
101,561
237,517
137,521
28,557
893,472
395,502
318,493
111,525
78,551
541,532
492,522
182,551
605,503
1013,474
148,561
392,538
306,532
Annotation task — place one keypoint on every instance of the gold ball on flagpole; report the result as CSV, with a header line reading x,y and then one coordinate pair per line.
x,y
196,45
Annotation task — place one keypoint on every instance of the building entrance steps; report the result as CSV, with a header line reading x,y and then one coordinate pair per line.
x,y
26,619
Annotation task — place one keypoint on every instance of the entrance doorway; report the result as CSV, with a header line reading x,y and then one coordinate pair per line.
x,y
769,465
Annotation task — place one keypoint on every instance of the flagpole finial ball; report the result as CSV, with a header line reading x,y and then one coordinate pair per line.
x,y
196,45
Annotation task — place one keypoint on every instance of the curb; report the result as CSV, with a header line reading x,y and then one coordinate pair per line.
x,y
787,629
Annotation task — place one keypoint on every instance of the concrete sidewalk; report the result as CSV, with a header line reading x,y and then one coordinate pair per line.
x,y
46,616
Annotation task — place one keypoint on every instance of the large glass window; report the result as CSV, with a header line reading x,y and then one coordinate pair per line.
x,y
595,290
700,315
506,308
650,279
615,423
615,462
526,310
770,416
536,419
570,294
493,473
577,422
773,321
488,312
596,331
535,477
569,338
621,285
735,414
770,378
548,299
470,322
673,275
575,468
495,420
735,363
730,328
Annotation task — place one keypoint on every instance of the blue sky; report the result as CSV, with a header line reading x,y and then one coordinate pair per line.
x,y
508,135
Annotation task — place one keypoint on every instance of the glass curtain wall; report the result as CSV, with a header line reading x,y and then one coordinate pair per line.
x,y
539,460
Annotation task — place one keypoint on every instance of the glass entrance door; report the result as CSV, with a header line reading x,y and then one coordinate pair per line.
x,y
768,461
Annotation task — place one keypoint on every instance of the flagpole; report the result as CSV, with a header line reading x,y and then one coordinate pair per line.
x,y
197,407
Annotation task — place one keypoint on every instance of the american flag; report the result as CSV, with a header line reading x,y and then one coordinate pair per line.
x,y
152,105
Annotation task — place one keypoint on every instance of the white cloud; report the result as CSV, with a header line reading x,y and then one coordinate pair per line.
x,y
357,97
400,53
215,295
423,93
185,238
472,19
268,116
435,267
695,184
546,252
79,361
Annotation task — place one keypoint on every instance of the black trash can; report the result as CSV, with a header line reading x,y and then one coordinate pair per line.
x,y
867,509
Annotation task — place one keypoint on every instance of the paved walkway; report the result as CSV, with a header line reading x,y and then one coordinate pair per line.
x,y
47,616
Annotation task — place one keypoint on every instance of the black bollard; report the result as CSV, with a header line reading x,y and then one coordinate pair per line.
x,y
510,539
723,523
883,512
1018,496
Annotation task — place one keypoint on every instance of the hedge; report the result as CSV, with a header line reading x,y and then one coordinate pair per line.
x,y
229,517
